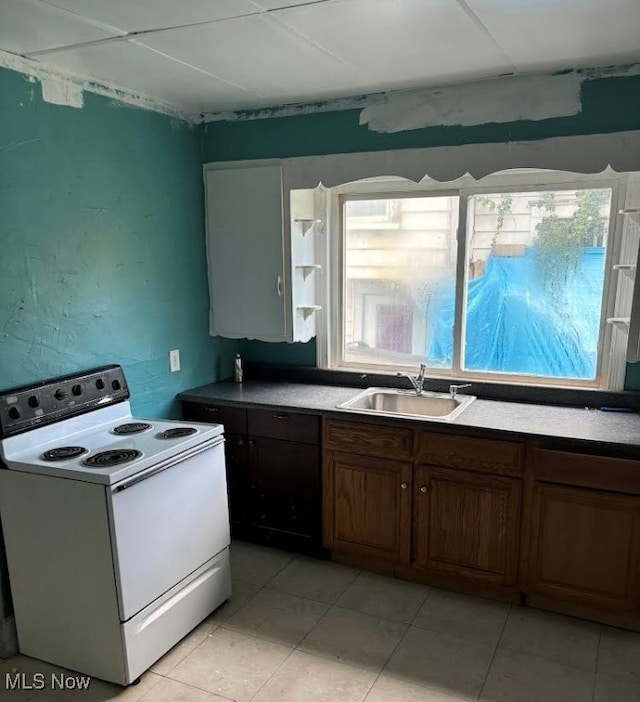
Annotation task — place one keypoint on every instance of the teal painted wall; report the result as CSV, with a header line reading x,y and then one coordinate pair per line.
x,y
300,354
102,248
608,105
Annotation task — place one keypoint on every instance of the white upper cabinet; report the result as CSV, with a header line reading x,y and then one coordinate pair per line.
x,y
263,248
245,252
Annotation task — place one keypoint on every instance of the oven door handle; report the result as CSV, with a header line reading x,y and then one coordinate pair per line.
x,y
169,463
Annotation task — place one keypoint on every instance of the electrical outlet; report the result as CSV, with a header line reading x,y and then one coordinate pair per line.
x,y
174,360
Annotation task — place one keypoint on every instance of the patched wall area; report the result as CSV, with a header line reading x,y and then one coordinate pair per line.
x,y
102,247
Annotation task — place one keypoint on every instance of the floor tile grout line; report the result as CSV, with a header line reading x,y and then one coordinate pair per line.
x,y
595,672
277,668
427,595
386,663
495,653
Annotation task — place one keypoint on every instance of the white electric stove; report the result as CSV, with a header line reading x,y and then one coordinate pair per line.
x,y
116,528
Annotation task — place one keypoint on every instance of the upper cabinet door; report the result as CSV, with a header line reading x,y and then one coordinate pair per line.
x,y
245,252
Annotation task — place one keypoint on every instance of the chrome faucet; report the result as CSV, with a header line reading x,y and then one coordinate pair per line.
x,y
453,389
416,380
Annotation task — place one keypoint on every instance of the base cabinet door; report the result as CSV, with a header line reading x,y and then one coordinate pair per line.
x,y
466,525
285,489
585,548
367,506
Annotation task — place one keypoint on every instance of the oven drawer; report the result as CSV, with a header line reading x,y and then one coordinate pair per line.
x,y
166,524
152,632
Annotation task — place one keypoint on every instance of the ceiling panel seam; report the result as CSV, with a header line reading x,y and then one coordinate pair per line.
x,y
198,70
316,45
89,20
483,28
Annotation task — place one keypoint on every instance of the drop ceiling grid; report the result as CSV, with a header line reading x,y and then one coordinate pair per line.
x,y
262,55
428,40
149,74
238,54
30,25
552,33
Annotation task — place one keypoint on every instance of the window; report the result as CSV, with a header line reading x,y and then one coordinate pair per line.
x,y
504,280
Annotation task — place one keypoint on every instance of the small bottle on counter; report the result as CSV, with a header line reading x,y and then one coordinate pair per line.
x,y
237,369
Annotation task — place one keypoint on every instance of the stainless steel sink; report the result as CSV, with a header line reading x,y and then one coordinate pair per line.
x,y
406,403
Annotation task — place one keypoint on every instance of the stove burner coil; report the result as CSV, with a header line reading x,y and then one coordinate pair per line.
x,y
63,453
177,433
113,457
131,428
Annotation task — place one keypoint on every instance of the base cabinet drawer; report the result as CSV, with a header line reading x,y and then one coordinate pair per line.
x,y
368,439
301,428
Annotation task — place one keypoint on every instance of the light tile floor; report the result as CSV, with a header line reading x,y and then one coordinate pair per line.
x,y
302,630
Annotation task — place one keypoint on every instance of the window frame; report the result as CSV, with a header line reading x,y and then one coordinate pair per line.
x,y
331,335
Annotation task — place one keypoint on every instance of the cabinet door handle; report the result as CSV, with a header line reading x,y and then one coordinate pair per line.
x,y
404,486
424,488
252,442
240,442
279,286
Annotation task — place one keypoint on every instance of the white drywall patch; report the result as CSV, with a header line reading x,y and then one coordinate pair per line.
x,y
498,100
61,91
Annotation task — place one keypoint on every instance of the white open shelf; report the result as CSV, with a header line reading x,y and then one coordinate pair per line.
x,y
308,224
307,269
308,310
626,268
633,215
619,321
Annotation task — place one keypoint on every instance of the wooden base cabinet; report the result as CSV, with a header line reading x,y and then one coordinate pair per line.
x,y
585,548
367,506
466,525
273,474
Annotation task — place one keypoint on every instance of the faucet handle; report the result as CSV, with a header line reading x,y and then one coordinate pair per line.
x,y
453,389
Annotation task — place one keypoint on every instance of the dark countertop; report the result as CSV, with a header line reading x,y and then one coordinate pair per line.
x,y
523,420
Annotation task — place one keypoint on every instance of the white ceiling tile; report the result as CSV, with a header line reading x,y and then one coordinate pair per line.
x,y
29,25
128,65
138,15
562,33
401,43
261,55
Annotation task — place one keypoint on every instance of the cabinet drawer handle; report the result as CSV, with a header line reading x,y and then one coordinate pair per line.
x,y
211,409
424,488
281,416
404,486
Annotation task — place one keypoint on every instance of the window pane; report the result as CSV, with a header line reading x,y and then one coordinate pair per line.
x,y
400,280
535,280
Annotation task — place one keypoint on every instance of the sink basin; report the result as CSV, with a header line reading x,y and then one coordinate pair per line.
x,y
405,403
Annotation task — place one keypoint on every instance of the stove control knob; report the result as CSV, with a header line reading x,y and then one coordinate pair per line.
x,y
77,390
115,385
60,394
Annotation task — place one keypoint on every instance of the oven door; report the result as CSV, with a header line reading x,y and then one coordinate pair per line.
x,y
167,522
